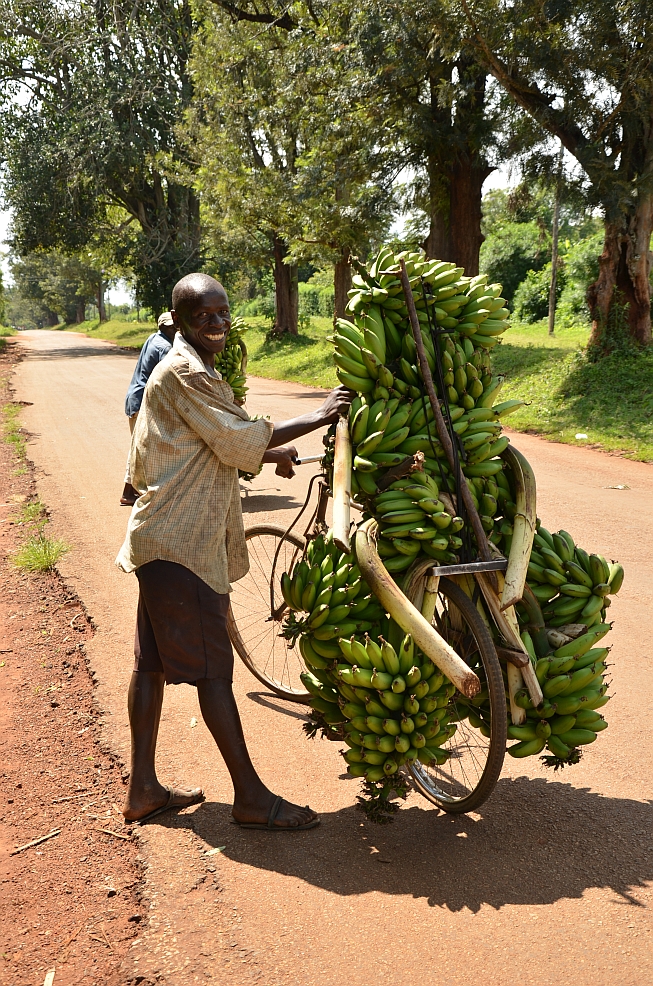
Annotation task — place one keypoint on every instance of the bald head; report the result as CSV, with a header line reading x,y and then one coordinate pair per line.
x,y
191,289
200,311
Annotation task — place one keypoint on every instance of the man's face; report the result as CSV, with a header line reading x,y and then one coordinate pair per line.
x,y
205,322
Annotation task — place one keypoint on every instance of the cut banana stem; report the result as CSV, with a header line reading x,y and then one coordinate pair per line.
x,y
506,622
404,613
515,682
342,486
523,527
430,597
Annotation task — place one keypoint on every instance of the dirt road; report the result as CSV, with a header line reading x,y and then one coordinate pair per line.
x,y
549,883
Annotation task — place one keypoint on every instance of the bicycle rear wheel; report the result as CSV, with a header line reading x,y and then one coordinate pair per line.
x,y
470,774
257,608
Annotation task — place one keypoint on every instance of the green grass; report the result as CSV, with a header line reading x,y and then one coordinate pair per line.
x,y
11,429
129,334
40,553
32,512
611,401
6,330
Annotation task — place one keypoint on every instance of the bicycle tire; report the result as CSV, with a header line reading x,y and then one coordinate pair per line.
x,y
464,782
253,630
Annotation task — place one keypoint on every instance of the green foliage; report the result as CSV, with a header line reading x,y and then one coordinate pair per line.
x,y
509,253
50,288
531,300
40,553
90,146
582,71
12,431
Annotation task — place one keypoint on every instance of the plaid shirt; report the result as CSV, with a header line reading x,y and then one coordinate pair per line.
x,y
189,442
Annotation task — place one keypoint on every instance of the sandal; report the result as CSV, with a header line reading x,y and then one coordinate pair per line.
x,y
271,827
175,800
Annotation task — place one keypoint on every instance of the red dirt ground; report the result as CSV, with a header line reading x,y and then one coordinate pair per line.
x,y
72,902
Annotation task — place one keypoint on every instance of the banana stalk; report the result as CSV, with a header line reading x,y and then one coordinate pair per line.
x,y
342,486
508,627
515,682
404,613
523,527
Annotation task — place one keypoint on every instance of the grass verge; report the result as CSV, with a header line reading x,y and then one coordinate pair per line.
x,y
12,432
39,553
129,334
611,401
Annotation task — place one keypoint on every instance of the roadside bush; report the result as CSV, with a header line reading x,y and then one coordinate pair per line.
x,y
531,301
510,252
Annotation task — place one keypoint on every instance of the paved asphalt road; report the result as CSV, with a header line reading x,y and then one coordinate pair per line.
x,y
550,882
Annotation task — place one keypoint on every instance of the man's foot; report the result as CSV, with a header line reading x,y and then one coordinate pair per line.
x,y
155,803
129,496
275,814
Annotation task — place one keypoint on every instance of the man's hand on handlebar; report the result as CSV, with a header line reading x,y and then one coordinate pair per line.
x,y
284,457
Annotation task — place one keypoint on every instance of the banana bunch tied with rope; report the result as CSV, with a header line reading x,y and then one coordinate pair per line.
x,y
231,363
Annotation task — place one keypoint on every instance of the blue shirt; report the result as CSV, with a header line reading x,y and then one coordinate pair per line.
x,y
155,348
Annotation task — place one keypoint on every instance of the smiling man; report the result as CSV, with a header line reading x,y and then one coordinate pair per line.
x,y
186,543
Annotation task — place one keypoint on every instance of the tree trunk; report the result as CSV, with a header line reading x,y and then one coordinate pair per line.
x,y
341,284
554,245
455,230
80,311
465,184
286,290
624,270
437,244
100,301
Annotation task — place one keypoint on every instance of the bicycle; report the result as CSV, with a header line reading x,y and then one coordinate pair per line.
x,y
459,615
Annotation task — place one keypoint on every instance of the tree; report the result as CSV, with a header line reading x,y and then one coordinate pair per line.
x,y
58,287
583,71
429,99
91,98
286,161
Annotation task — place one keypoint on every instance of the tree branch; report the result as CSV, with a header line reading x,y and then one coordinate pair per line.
x,y
530,97
284,21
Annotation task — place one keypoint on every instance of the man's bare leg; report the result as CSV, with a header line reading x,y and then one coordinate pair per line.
x,y
144,792
252,799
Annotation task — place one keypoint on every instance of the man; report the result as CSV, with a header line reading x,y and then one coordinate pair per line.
x,y
185,541
155,348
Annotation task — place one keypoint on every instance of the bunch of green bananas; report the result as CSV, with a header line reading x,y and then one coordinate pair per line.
x,y
373,695
231,363
568,583
395,706
327,585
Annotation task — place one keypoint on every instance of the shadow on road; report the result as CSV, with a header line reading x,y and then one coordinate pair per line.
x,y
534,842
271,701
254,503
80,351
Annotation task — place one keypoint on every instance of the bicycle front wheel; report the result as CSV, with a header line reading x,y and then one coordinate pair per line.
x,y
257,609
476,755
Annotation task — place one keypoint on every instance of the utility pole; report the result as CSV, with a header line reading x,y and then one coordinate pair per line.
x,y
554,245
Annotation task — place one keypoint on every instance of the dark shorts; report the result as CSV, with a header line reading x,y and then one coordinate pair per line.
x,y
181,625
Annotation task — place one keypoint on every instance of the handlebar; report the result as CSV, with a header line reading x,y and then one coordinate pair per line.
x,y
307,458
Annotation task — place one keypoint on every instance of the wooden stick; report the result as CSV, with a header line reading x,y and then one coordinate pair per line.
x,y
443,434
407,616
508,627
35,842
342,486
523,527
116,835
